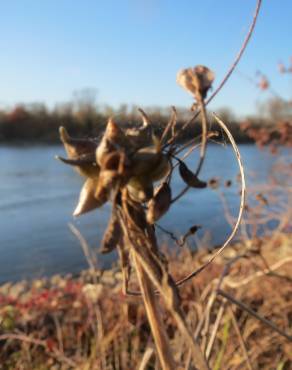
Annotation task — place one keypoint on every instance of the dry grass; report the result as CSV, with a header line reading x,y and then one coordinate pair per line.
x,y
66,323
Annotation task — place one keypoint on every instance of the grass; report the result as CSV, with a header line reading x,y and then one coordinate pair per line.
x,y
68,323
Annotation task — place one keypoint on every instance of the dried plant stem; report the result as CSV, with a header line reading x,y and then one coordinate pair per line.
x,y
146,357
171,124
236,284
241,208
230,70
55,353
86,251
204,135
203,147
144,248
154,317
244,307
215,330
240,338
169,294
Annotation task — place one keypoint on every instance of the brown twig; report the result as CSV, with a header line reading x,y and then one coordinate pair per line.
x,y
240,338
231,68
244,307
242,202
58,355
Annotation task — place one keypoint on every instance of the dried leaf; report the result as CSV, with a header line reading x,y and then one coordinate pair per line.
x,y
190,178
197,80
111,236
160,204
87,201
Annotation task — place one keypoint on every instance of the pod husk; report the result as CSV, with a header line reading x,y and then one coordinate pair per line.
x,y
87,200
159,204
111,236
190,178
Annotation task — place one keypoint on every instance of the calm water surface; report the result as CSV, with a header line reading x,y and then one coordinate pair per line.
x,y
38,195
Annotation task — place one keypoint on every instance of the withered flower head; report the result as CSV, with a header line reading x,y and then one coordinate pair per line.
x,y
118,161
197,80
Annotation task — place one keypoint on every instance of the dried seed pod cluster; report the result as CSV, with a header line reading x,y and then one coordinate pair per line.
x,y
125,164
122,162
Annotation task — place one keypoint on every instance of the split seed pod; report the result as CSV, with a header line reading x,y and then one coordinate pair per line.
x,y
140,190
84,164
190,178
81,153
150,164
159,204
113,139
197,80
87,200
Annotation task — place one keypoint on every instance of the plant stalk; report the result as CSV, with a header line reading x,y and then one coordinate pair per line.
x,y
154,317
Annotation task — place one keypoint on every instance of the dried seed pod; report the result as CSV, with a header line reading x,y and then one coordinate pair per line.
x,y
115,161
159,204
81,153
76,147
192,230
145,160
105,147
150,164
141,136
111,236
108,180
161,170
85,165
115,134
113,139
197,80
87,201
140,190
190,178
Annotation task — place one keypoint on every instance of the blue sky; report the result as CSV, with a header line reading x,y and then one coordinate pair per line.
x,y
131,50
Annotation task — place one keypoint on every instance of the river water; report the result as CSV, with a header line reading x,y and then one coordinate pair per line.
x,y
38,195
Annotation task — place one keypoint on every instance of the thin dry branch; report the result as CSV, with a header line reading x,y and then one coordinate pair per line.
x,y
240,339
85,249
244,307
154,317
231,68
241,208
55,353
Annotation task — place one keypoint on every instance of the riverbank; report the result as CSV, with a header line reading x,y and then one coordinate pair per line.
x,y
86,322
